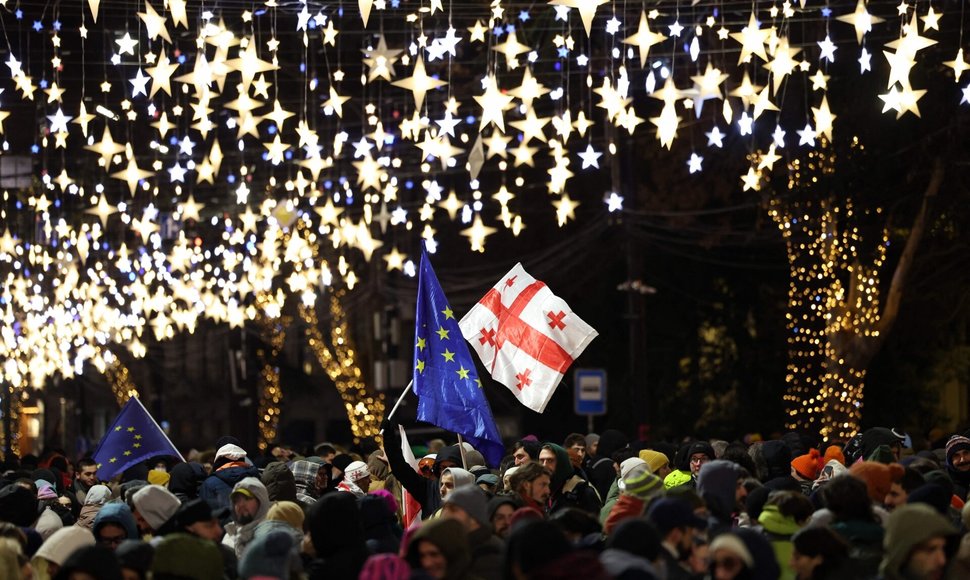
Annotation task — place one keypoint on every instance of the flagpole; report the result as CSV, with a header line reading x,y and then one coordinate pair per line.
x,y
461,449
399,399
160,430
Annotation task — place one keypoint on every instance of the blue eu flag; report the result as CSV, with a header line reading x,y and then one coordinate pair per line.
x,y
445,381
132,438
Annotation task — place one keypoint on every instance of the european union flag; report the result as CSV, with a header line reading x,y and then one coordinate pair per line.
x,y
132,438
445,381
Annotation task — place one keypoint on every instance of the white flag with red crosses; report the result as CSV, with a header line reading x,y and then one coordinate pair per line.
x,y
526,336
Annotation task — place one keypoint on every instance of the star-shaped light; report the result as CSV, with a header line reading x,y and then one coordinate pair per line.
x,y
958,65
715,138
58,121
138,84
494,103
807,136
477,233
590,157
861,20
694,163
752,40
827,49
565,209
511,49
161,74
419,83
380,61
614,202
103,210
126,44
586,8
751,180
643,39
824,119
132,174
107,147
335,103
154,23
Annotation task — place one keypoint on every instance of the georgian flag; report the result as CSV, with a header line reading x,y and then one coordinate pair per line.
x,y
526,336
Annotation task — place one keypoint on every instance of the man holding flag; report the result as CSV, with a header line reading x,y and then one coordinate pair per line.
x,y
449,392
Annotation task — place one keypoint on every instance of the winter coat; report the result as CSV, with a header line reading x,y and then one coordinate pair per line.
x,y
216,488
338,537
779,529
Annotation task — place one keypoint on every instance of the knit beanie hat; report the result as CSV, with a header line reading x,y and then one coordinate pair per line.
x,y
159,477
188,557
641,485
655,459
287,511
908,526
191,512
882,454
342,461
65,542
629,465
18,506
156,504
136,555
878,477
809,465
92,561
267,556
734,545
932,494
473,500
956,443
833,452
356,471
385,567
230,452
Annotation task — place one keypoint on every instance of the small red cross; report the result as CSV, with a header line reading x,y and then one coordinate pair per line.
x,y
555,320
511,281
488,335
524,380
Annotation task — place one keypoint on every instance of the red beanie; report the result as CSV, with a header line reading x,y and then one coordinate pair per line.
x,y
834,452
808,466
879,477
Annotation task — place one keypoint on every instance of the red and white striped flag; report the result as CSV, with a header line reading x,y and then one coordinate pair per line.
x,y
526,336
410,507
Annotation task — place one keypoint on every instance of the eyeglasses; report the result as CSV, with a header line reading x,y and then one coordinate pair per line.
x,y
699,459
731,565
111,540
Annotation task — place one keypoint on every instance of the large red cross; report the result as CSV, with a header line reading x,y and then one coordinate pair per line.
x,y
511,327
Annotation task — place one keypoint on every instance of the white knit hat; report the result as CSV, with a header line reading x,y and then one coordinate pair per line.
x,y
628,466
230,451
64,542
156,504
356,471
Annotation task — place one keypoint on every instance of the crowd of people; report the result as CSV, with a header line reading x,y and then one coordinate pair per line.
x,y
589,507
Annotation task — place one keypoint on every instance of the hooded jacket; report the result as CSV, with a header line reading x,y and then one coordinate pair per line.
x,y
279,481
216,488
779,529
601,472
305,479
238,536
118,513
568,488
909,526
717,485
185,481
335,529
380,525
450,538
777,458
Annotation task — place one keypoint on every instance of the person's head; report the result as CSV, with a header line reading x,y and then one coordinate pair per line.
x,y
500,510
111,535
740,553
915,543
592,444
958,453
325,451
135,558
358,474
153,507
525,451
469,506
816,547
878,477
676,522
195,517
533,544
848,499
899,490
658,462
440,548
87,472
532,481
698,454
250,501
637,536
547,458
575,445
